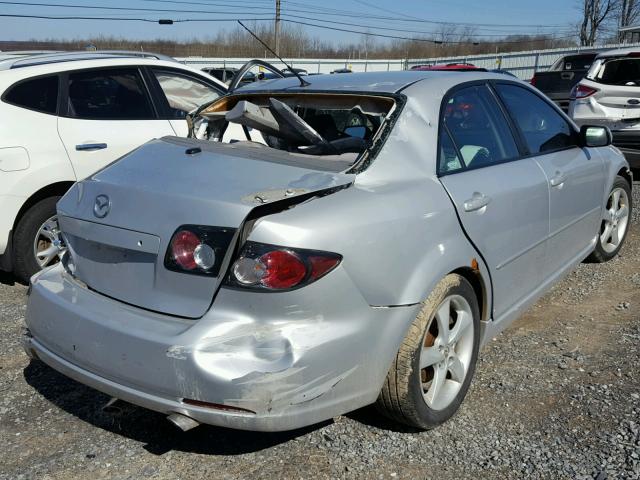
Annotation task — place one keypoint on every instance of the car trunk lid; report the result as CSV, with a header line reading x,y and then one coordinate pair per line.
x,y
119,222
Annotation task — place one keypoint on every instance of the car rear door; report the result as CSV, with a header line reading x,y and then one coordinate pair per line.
x,y
575,175
107,112
502,200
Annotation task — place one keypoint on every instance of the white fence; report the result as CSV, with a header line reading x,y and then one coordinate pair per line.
x,y
324,65
522,64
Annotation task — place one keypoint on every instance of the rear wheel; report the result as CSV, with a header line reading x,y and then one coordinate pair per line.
x,y
36,239
615,222
434,366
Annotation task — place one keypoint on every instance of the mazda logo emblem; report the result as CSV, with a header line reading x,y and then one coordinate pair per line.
x,y
101,206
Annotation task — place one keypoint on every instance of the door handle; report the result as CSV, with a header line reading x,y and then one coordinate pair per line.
x,y
476,202
558,179
90,147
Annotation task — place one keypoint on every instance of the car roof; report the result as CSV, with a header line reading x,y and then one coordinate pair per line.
x,y
619,52
13,60
9,76
370,82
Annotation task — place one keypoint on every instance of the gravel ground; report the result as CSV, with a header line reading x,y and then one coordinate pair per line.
x,y
555,396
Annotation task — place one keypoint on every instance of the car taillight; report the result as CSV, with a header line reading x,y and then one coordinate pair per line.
x,y
269,267
533,81
582,91
198,249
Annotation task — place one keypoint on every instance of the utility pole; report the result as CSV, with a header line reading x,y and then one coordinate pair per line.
x,y
277,27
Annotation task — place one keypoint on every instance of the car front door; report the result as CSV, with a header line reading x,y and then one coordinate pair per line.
x,y
179,93
502,200
575,175
107,113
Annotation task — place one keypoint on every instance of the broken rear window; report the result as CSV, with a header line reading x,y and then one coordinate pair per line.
x,y
330,125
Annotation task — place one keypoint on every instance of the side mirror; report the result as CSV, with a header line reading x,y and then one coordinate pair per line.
x,y
594,136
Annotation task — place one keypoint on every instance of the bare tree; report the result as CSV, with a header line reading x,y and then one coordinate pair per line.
x,y
627,12
594,13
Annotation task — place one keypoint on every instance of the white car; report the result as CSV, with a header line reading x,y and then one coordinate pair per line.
x,y
609,95
65,115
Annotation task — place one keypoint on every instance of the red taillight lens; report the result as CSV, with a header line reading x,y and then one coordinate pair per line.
x,y
533,81
582,91
283,269
274,268
198,249
321,265
183,246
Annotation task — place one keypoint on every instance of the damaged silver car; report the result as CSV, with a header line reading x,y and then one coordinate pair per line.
x,y
360,243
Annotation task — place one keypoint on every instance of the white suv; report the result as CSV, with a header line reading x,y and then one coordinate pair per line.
x,y
65,115
609,95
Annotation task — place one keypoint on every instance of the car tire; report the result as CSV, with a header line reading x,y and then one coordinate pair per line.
x,y
617,219
407,394
24,260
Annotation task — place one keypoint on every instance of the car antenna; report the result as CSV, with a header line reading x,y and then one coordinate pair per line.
x,y
303,82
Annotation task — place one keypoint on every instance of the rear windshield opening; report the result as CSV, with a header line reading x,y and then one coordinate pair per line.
x,y
616,71
330,126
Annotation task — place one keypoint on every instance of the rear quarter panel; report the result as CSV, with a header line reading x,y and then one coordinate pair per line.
x,y
395,226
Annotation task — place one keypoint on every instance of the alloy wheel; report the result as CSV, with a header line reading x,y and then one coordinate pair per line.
x,y
615,220
446,352
46,244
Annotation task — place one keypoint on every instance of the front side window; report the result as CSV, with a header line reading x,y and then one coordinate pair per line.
x,y
39,94
183,93
478,128
114,94
542,127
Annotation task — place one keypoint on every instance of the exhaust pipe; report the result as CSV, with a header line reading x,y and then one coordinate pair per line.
x,y
183,422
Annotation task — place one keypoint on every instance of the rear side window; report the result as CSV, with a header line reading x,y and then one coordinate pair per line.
x,y
617,71
184,93
542,127
39,94
109,95
449,160
478,128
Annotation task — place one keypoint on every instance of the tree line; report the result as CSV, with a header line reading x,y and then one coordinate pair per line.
x,y
295,42
600,21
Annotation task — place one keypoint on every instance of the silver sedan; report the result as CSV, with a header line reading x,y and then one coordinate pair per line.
x,y
356,241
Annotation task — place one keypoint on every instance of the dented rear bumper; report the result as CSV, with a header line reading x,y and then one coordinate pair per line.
x,y
260,361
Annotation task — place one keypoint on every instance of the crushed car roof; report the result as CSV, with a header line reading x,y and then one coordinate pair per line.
x,y
374,82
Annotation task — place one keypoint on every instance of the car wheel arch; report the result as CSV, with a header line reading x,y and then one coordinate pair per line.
x,y
626,174
51,190
480,287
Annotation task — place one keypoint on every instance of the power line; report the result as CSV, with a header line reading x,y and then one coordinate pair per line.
x,y
185,20
164,10
354,14
397,37
56,17
376,27
133,9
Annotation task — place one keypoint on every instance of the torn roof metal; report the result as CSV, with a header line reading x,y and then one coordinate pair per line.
x,y
374,82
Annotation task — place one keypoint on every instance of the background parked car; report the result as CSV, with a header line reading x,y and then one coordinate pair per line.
x,y
610,95
225,75
342,70
558,82
65,115
454,67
